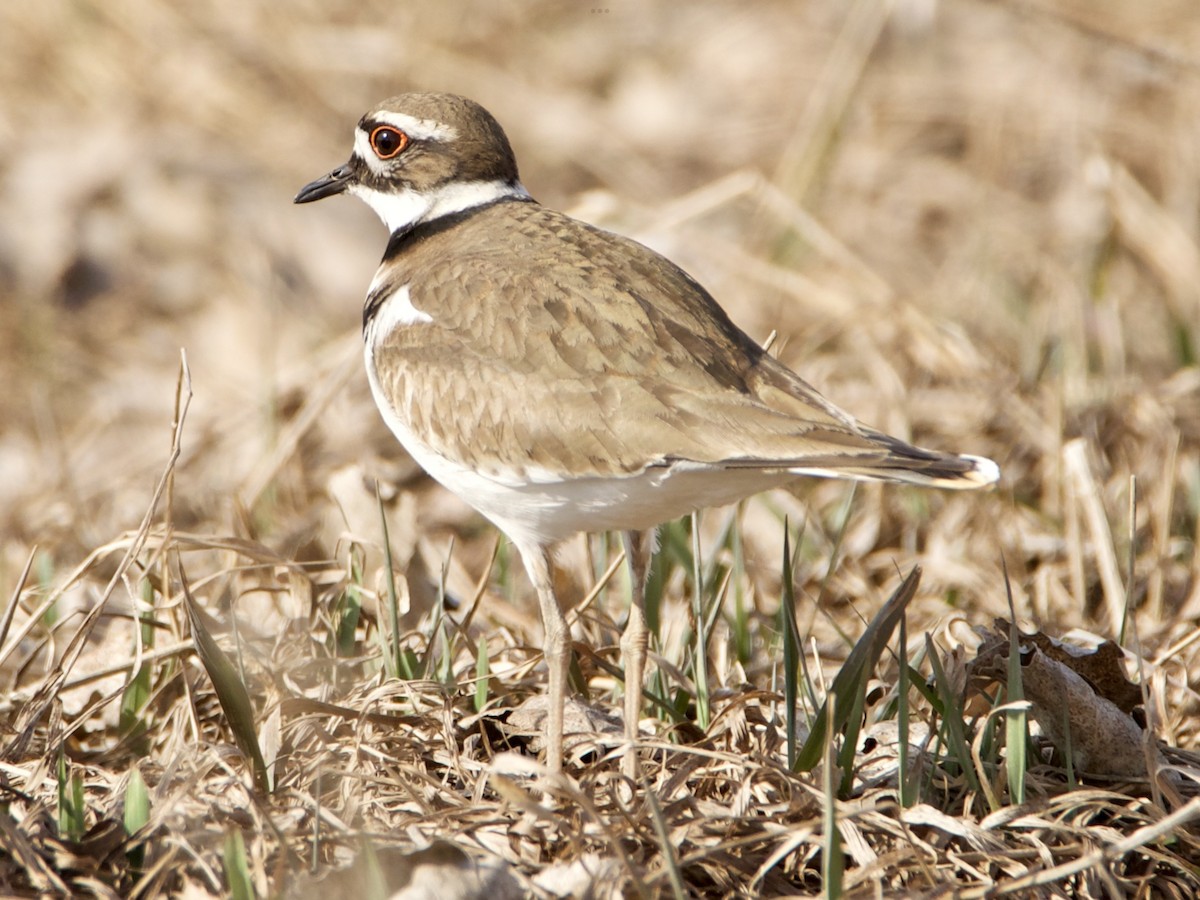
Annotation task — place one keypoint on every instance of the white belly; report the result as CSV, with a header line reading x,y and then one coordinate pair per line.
x,y
546,507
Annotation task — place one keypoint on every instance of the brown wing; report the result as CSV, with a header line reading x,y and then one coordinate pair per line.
x,y
608,361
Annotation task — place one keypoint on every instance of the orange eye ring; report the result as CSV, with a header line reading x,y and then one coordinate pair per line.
x,y
388,141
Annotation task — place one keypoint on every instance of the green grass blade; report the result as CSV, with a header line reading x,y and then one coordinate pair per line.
x,y
851,679
237,867
442,636
1016,721
349,608
904,777
392,661
482,674
132,723
45,577
78,807
62,778
950,704
791,649
231,691
137,802
72,811
741,614
850,742
832,862
137,814
700,651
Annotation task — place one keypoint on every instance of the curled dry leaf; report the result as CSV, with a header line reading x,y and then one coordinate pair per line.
x,y
1076,715
1101,666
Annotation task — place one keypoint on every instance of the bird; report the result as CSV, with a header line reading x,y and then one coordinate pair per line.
x,y
561,378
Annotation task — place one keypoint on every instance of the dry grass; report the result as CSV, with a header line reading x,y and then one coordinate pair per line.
x,y
971,222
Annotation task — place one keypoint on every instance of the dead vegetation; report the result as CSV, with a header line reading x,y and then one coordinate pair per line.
x,y
973,223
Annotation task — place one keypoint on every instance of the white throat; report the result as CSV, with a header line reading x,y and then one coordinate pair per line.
x,y
403,209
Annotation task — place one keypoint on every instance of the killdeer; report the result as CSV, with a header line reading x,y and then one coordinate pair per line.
x,y
560,378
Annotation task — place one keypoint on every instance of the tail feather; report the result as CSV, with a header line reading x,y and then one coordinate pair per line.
x,y
894,461
949,472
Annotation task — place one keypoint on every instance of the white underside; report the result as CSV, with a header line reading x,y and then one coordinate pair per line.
x,y
543,512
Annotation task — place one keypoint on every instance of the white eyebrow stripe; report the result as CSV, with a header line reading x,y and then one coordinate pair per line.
x,y
417,129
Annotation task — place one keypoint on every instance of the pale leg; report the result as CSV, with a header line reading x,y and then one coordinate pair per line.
x,y
639,548
557,651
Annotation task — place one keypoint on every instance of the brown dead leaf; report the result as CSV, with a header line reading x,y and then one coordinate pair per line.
x,y
1100,667
1081,721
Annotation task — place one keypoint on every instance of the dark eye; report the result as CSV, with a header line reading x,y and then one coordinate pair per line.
x,y
387,141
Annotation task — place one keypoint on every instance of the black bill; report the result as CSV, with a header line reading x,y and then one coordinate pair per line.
x,y
335,182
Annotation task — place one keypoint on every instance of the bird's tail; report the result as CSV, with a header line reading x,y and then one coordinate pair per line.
x,y
886,458
949,472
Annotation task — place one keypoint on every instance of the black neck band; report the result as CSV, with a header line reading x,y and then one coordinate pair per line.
x,y
405,239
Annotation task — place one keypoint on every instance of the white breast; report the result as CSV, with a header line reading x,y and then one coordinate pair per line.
x,y
395,312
